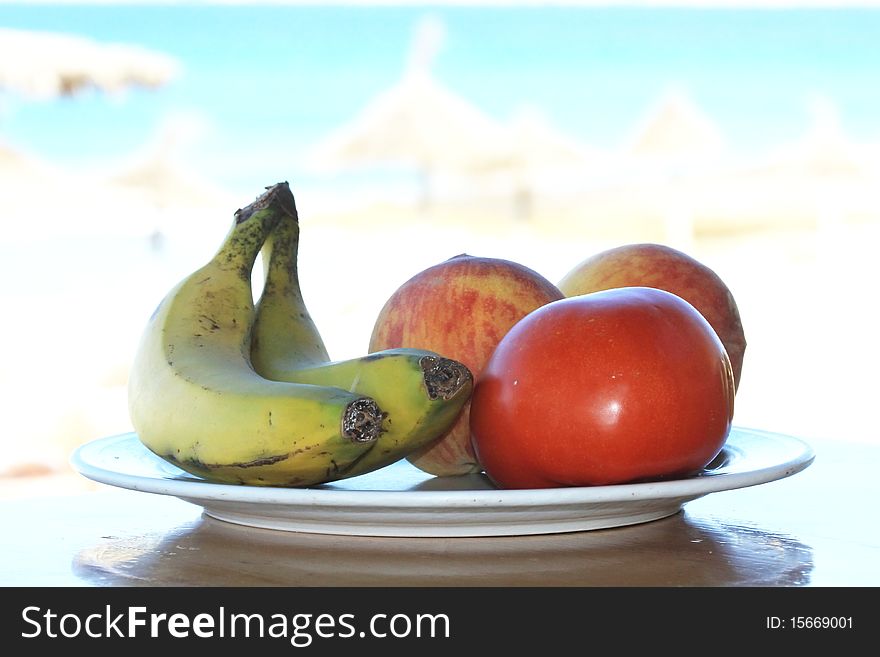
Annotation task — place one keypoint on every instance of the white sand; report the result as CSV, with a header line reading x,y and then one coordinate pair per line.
x,y
73,316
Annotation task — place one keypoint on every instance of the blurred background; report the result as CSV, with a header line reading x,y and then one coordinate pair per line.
x,y
130,133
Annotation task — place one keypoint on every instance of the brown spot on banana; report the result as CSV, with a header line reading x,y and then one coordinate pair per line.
x,y
201,465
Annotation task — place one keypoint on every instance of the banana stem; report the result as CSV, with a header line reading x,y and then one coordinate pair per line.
x,y
253,225
278,194
444,377
362,420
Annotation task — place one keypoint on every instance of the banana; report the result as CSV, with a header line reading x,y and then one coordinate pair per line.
x,y
284,332
196,400
420,392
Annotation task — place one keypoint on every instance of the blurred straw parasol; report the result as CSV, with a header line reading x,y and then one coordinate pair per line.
x,y
417,123
158,182
535,155
43,66
40,65
160,189
817,180
825,152
44,200
158,173
675,141
675,130
164,182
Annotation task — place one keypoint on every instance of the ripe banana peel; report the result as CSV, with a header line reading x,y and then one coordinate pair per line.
x,y
420,392
196,401
246,394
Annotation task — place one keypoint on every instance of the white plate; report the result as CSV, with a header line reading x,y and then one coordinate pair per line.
x,y
400,500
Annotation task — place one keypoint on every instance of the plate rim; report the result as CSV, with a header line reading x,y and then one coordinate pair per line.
x,y
800,455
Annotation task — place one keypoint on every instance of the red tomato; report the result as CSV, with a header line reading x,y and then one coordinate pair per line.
x,y
611,387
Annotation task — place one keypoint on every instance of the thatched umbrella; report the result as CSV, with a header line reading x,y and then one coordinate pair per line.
x,y
418,124
534,155
816,181
675,130
39,65
674,142
44,200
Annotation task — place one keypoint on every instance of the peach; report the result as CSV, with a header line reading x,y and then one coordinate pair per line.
x,y
459,308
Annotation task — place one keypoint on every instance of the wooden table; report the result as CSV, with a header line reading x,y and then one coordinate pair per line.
x,y
816,528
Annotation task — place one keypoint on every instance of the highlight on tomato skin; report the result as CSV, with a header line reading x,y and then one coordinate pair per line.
x,y
623,385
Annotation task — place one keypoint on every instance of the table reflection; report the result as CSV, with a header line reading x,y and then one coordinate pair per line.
x,y
666,552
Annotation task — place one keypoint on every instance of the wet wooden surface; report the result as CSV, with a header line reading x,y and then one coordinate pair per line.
x,y
819,527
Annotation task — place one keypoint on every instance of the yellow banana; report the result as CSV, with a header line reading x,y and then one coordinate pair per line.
x,y
420,392
284,332
195,399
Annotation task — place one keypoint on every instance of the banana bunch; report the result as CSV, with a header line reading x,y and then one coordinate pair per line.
x,y
420,393
241,393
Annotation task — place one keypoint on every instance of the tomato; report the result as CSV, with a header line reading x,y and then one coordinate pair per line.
x,y
616,386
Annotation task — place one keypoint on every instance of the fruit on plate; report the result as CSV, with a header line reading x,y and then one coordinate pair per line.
x,y
461,308
665,268
420,392
617,386
196,400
